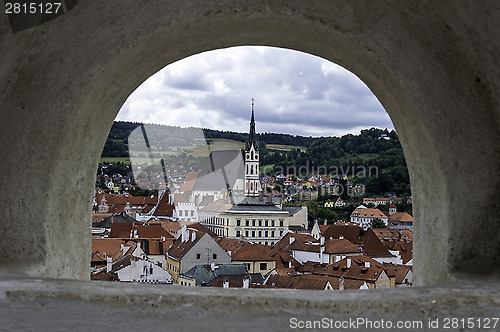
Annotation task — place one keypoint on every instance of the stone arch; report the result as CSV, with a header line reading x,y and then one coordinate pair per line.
x,y
65,80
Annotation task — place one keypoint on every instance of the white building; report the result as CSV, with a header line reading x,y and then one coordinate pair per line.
x,y
256,218
364,216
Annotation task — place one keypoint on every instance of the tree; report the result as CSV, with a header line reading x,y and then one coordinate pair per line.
x,y
377,223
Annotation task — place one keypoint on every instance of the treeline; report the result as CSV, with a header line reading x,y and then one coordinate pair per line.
x,y
166,138
263,139
374,158
116,144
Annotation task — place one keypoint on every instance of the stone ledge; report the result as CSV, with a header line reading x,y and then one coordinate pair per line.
x,y
48,304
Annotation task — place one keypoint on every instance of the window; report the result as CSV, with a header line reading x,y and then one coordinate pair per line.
x,y
260,233
266,234
260,222
214,256
253,222
238,222
198,256
263,266
253,233
192,213
281,222
247,222
246,233
272,233
238,233
272,223
267,222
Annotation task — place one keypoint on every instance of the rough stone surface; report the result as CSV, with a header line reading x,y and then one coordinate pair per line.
x,y
105,306
433,65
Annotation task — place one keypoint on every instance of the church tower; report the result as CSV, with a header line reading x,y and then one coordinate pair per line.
x,y
252,182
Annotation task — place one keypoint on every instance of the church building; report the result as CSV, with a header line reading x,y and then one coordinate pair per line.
x,y
257,218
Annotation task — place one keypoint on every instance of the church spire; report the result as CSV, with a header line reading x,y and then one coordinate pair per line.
x,y
251,139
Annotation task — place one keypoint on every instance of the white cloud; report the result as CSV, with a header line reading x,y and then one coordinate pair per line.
x,y
294,93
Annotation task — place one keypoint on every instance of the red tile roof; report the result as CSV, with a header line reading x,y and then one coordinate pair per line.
x,y
302,281
340,246
190,181
300,242
164,208
179,248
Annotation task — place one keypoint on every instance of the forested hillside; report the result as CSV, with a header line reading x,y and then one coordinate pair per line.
x,y
347,155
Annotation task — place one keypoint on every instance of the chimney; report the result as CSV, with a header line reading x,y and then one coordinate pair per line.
x,y
136,234
324,222
292,239
341,283
193,236
322,241
341,237
109,264
184,234
246,283
367,264
290,266
348,263
225,284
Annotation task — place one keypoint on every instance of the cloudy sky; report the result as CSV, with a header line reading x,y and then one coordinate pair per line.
x,y
295,93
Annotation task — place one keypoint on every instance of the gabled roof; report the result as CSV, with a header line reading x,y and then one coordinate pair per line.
x,y
252,252
171,226
401,217
302,281
340,246
368,213
219,206
220,166
200,228
357,270
351,233
283,261
98,217
190,181
179,249
107,247
300,242
230,244
309,267
164,208
388,234
124,230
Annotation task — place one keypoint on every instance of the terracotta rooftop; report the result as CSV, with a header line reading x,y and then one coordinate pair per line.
x,y
252,252
190,181
340,246
302,281
164,208
218,206
179,248
300,242
368,213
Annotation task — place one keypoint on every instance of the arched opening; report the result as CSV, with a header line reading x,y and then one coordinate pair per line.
x,y
413,72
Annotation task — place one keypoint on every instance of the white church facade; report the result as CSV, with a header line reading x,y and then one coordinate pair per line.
x,y
257,218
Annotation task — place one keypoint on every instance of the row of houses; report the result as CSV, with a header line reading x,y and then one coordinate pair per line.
x,y
331,257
